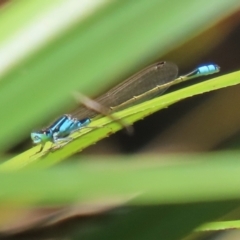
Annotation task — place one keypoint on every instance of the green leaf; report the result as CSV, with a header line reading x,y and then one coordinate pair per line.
x,y
94,52
154,181
99,48
87,137
168,193
220,225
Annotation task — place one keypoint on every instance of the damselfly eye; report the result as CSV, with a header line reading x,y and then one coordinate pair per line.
x,y
36,138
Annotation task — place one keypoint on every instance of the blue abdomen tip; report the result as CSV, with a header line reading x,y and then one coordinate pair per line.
x,y
208,69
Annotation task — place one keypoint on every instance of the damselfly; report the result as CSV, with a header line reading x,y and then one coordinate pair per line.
x,y
152,81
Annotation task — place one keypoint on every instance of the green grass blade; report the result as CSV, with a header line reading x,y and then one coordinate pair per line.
x,y
180,196
209,178
221,225
98,50
155,222
88,137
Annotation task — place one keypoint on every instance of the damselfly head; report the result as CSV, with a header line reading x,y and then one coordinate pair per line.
x,y
40,137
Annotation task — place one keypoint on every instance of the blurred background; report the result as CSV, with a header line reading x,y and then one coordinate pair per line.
x,y
206,122
35,82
